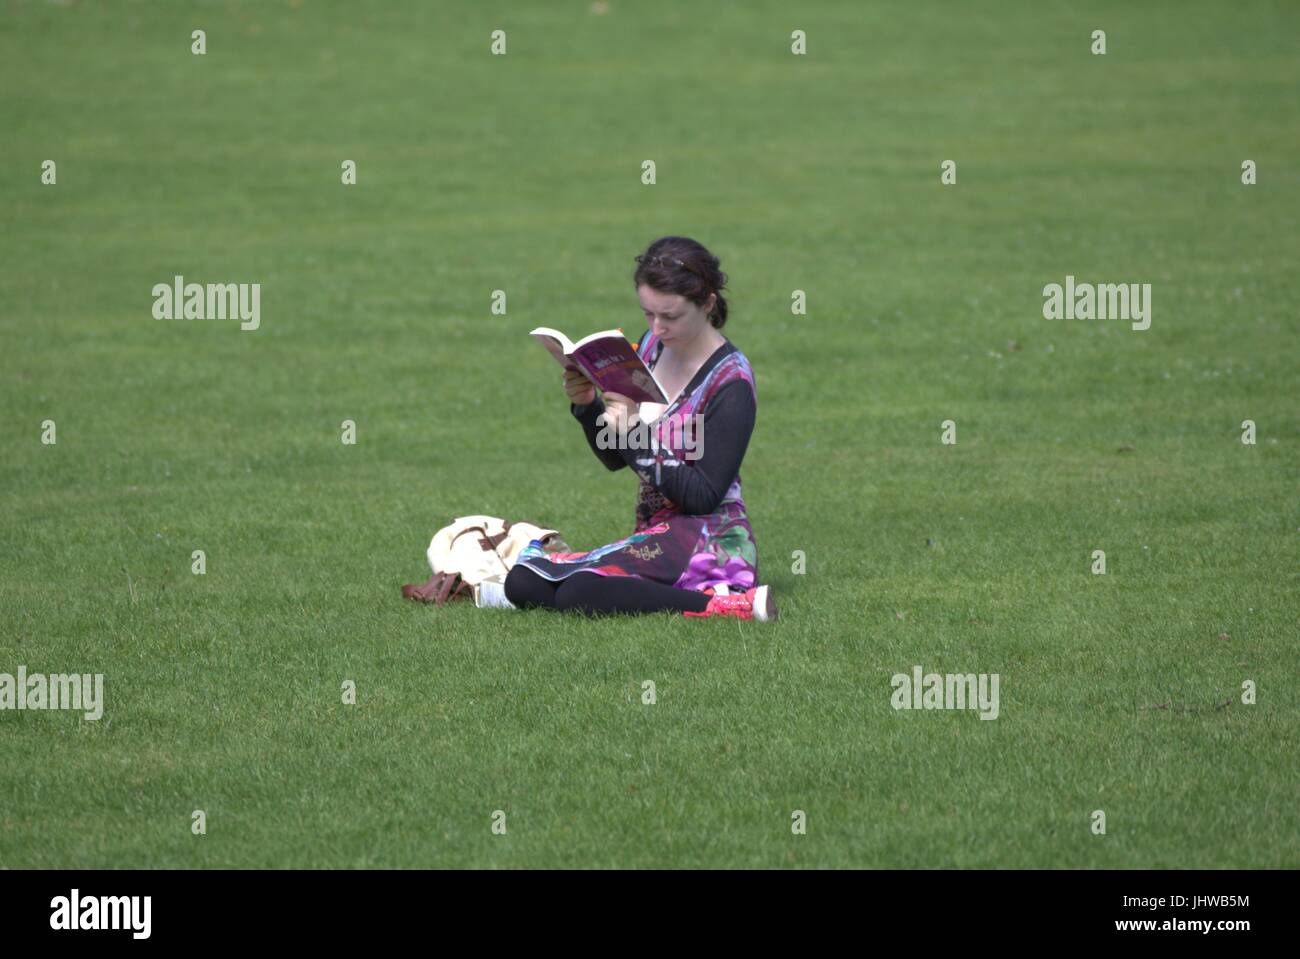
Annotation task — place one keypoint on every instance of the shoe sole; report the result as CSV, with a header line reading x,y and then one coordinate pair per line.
x,y
764,606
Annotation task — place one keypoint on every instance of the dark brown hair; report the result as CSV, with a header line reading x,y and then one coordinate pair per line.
x,y
677,264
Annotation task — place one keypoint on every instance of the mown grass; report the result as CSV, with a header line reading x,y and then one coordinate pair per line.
x,y
818,173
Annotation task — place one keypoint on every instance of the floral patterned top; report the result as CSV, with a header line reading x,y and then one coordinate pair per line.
x,y
691,527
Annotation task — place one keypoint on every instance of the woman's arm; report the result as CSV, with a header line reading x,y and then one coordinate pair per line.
x,y
699,485
586,415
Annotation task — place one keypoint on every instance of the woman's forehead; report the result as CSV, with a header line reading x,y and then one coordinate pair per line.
x,y
657,302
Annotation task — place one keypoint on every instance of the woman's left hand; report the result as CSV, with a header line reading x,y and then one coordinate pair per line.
x,y
620,413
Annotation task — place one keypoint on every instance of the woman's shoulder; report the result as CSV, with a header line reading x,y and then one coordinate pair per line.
x,y
733,367
646,342
735,362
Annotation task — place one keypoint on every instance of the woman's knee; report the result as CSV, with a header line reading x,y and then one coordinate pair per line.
x,y
580,593
524,587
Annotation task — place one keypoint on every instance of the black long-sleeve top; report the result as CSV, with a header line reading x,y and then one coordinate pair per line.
x,y
697,486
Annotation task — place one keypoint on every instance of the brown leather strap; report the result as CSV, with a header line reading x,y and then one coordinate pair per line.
x,y
442,588
488,543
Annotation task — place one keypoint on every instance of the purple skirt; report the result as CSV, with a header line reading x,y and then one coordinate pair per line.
x,y
689,552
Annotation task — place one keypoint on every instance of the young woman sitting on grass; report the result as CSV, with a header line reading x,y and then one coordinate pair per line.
x,y
692,550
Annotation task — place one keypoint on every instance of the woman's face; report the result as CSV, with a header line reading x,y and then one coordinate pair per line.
x,y
673,318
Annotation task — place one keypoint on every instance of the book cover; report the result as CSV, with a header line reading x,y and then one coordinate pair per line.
x,y
606,358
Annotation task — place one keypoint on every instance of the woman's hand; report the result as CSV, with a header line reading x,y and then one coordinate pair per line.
x,y
620,413
582,392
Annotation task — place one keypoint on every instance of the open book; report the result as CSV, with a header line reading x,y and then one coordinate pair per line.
x,y
608,360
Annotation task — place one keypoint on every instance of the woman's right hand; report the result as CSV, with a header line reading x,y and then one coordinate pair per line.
x,y
582,392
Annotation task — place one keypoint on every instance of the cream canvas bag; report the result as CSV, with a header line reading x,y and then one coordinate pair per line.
x,y
481,547
473,550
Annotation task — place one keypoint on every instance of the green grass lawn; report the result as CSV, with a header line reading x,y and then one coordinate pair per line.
x,y
522,173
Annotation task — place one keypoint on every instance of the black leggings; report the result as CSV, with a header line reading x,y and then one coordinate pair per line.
x,y
592,594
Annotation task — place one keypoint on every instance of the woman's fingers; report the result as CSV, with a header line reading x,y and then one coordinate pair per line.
x,y
622,411
580,389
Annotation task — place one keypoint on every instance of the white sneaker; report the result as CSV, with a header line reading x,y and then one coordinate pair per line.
x,y
490,594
